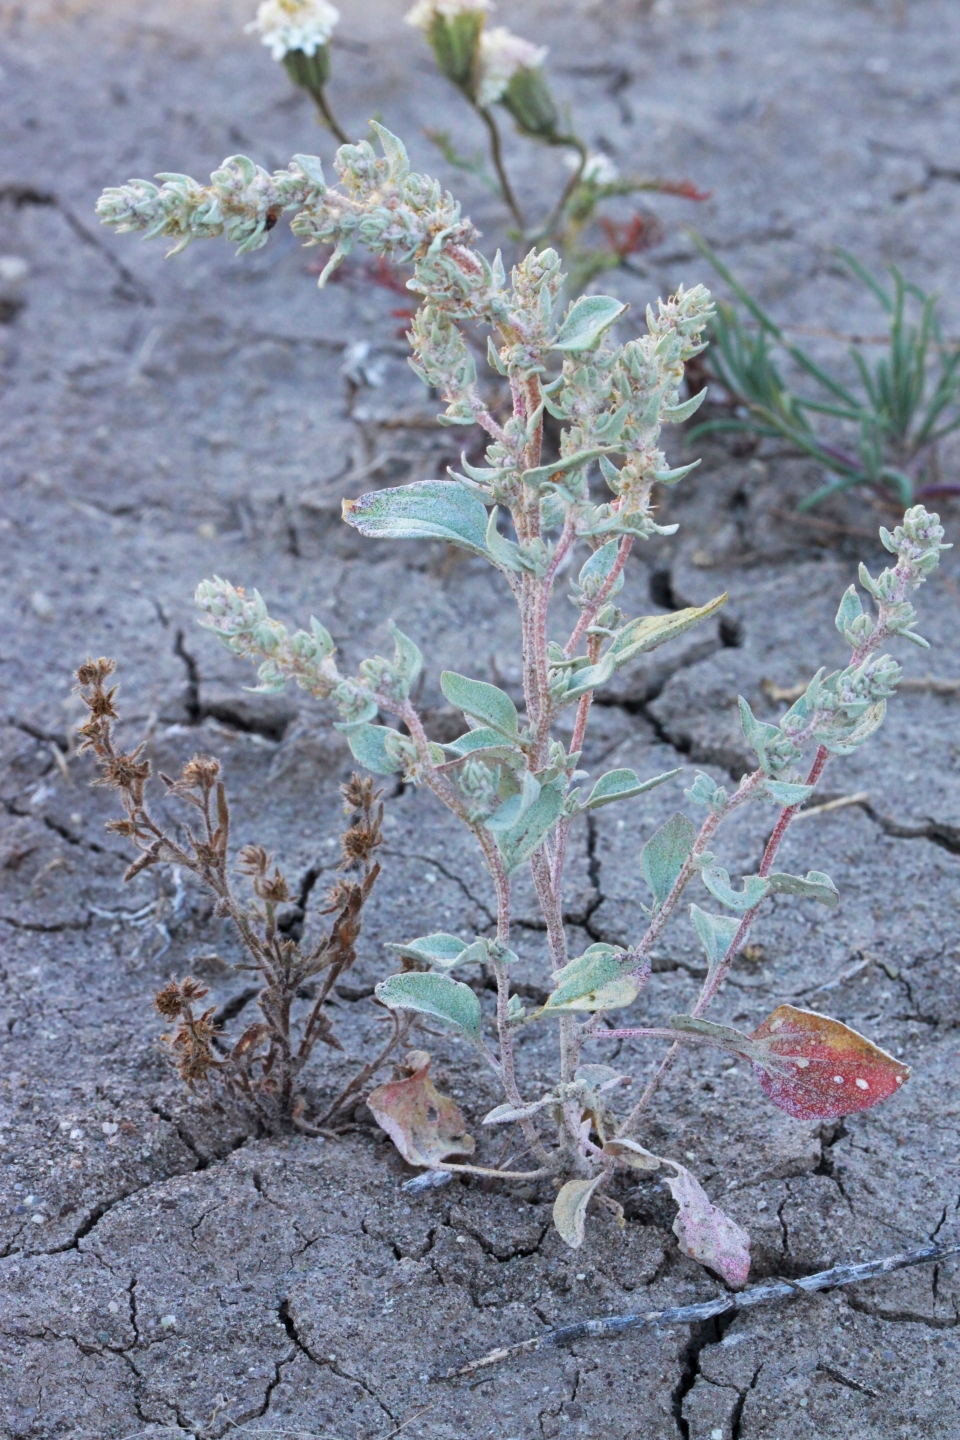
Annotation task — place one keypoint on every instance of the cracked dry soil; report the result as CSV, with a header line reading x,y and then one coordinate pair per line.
x,y
161,1275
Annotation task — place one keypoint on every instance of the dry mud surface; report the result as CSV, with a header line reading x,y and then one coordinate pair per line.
x,y
162,421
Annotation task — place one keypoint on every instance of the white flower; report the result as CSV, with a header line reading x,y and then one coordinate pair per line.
x,y
598,170
502,55
294,25
425,12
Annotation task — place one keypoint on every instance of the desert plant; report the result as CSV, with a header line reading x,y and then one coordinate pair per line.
x,y
262,1073
490,67
508,778
909,398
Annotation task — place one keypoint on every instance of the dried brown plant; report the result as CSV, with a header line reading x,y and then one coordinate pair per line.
x,y
261,1074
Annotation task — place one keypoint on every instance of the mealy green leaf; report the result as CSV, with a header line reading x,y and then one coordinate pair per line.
x,y
677,414
815,886
787,794
510,813
506,553
704,791
589,677
724,1036
717,882
595,570
435,995
439,949
567,464
715,933
483,702
425,510
368,745
595,980
757,733
518,843
664,855
407,659
488,744
850,610
622,785
586,322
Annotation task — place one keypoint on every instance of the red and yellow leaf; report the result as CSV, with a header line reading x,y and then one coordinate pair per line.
x,y
816,1068
424,1125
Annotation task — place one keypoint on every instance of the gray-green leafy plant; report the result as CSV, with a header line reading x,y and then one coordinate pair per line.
x,y
509,779
492,69
885,432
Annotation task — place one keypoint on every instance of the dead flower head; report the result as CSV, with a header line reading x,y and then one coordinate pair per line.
x,y
94,672
192,1048
125,772
200,773
177,995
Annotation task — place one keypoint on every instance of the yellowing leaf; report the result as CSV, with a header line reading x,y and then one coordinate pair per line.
x,y
595,980
570,1209
632,1154
424,1125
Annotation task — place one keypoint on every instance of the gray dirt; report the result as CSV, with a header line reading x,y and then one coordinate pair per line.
x,y
162,1273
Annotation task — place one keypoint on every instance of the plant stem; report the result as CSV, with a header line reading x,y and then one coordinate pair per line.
x,y
715,979
327,116
592,610
496,154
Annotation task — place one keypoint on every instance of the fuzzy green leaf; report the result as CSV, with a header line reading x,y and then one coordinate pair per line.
x,y
598,567
425,510
368,746
435,995
715,933
622,785
586,322
483,702
664,856
564,466
787,794
519,842
815,886
439,949
407,659
717,882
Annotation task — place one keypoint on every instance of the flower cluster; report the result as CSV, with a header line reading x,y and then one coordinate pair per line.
x,y
502,56
287,25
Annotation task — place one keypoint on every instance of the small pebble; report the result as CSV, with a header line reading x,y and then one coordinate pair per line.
x,y
41,606
13,268
168,1322
109,1127
113,1307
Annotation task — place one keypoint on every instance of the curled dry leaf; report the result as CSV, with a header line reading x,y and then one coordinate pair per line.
x,y
705,1233
631,1154
570,1209
816,1068
424,1125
